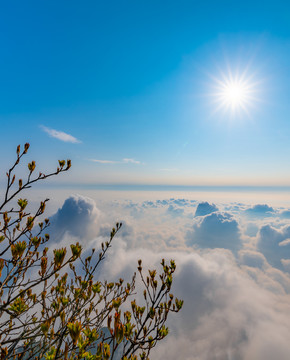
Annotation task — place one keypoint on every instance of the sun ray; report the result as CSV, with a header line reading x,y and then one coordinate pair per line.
x,y
234,92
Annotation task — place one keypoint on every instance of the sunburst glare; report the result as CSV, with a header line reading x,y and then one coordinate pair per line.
x,y
235,93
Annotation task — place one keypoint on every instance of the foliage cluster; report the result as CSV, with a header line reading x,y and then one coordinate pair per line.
x,y
52,304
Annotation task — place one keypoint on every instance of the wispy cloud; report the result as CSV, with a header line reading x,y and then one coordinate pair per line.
x,y
104,161
123,161
60,135
131,161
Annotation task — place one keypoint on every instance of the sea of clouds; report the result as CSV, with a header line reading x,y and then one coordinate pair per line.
x,y
233,268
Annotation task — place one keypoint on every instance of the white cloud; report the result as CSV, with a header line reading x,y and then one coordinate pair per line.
x,y
286,264
204,208
252,258
216,230
226,313
175,210
60,135
260,210
284,242
285,214
124,161
234,307
104,161
130,161
126,232
78,218
183,202
274,244
251,229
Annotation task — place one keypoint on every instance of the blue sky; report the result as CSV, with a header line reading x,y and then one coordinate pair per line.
x,y
135,84
182,93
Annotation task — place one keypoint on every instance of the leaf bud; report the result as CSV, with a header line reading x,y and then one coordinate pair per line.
x,y
26,147
31,166
61,163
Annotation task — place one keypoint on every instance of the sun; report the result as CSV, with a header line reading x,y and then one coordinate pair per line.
x,y
235,93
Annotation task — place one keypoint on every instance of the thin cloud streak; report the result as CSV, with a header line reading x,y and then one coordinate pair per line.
x,y
131,161
60,135
104,161
124,161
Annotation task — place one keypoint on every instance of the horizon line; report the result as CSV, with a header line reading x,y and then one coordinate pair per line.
x,y
166,187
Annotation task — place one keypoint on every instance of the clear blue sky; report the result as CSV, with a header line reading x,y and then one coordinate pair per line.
x,y
133,82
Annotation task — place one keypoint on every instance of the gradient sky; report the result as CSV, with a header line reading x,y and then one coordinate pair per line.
x,y
127,89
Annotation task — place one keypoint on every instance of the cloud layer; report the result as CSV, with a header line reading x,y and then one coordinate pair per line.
x,y
232,269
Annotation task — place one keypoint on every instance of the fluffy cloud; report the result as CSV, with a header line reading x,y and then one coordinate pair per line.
x,y
236,307
226,314
286,264
216,230
204,208
78,217
223,309
260,210
183,202
285,214
274,244
251,229
252,258
175,211
127,233
127,230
